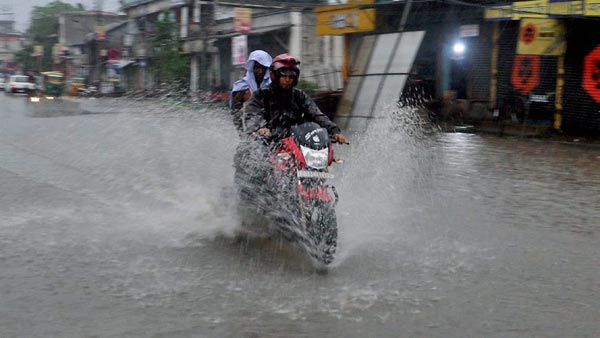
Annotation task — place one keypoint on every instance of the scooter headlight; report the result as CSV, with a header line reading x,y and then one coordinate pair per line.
x,y
316,159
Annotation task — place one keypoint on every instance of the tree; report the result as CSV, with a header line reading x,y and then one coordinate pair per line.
x,y
43,31
168,65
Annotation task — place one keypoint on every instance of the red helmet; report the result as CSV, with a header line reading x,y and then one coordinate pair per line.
x,y
285,62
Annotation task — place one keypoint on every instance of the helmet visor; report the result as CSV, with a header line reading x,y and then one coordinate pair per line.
x,y
287,72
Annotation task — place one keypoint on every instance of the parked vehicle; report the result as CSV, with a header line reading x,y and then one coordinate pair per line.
x,y
75,84
2,83
20,84
53,83
87,91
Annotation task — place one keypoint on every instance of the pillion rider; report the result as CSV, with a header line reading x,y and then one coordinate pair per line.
x,y
281,105
257,76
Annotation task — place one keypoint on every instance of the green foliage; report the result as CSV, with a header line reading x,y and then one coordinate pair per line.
x,y
24,58
308,87
168,65
43,30
44,20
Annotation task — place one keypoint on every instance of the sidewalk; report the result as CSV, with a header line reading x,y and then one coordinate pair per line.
x,y
520,130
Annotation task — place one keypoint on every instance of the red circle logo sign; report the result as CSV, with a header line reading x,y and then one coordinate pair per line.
x,y
591,74
526,73
528,33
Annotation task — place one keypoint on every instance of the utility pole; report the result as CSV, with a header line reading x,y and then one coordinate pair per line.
x,y
100,35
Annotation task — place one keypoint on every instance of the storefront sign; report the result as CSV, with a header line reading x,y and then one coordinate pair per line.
x,y
530,9
592,8
566,8
498,12
591,74
38,50
468,31
542,9
242,20
525,73
239,49
345,18
100,34
541,37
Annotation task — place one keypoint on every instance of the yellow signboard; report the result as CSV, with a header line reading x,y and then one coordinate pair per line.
x,y
38,50
560,8
530,9
592,8
242,21
543,9
541,37
346,18
498,12
100,33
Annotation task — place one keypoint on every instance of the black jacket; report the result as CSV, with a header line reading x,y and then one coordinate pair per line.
x,y
275,109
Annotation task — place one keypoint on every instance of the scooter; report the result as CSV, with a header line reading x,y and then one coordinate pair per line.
x,y
87,91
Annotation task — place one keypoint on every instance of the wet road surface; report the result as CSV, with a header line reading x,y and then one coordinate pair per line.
x,y
116,220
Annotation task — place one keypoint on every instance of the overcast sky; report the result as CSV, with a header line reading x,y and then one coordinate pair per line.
x,y
22,8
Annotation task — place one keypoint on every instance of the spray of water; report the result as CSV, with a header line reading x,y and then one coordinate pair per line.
x,y
384,168
186,190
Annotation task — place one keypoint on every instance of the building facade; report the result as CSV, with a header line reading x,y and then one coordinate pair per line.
x,y
84,39
10,43
208,33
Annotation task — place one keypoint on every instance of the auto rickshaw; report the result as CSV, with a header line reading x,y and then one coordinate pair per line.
x,y
54,83
75,84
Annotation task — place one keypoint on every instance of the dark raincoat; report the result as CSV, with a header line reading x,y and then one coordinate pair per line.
x,y
275,108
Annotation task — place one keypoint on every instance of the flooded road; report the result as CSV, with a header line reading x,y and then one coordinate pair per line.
x,y
117,220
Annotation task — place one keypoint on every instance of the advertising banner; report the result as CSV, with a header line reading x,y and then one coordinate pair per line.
x,y
525,73
542,9
566,8
592,8
541,37
345,18
530,9
242,21
239,49
38,50
591,74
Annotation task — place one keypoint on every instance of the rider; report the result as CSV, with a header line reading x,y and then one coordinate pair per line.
x,y
257,76
280,105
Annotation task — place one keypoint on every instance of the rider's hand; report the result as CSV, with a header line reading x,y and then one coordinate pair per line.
x,y
266,132
340,138
247,95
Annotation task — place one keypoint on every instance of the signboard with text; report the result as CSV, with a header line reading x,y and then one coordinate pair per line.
x,y
542,9
345,18
525,73
591,74
239,49
541,37
242,21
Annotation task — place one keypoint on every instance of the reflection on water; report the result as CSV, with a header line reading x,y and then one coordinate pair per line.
x,y
526,182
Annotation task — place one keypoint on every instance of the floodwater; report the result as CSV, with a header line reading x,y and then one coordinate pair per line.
x,y
117,219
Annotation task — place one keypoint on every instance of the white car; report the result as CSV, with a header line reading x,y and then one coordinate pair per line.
x,y
2,83
19,84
